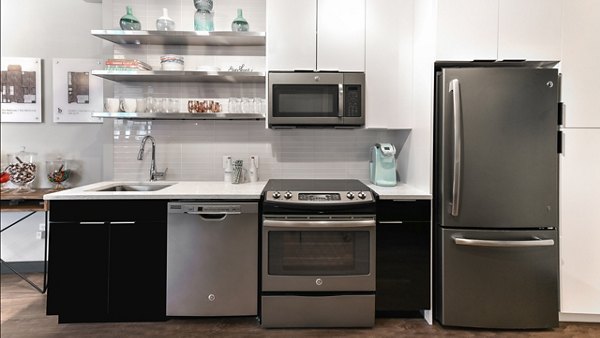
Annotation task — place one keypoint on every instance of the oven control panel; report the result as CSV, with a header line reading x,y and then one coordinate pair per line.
x,y
319,197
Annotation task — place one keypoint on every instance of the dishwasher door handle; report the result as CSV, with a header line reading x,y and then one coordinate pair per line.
x,y
213,216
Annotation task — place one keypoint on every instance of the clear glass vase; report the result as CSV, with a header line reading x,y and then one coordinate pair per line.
x,y
240,24
130,22
165,23
203,21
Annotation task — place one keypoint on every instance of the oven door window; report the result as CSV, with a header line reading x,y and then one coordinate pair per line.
x,y
321,253
305,100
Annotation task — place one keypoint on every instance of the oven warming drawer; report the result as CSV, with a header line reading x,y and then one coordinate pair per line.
x,y
318,311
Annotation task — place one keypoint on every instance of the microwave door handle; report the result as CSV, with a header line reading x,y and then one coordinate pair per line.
x,y
340,100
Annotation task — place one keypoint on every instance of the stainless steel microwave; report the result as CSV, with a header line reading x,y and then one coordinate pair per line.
x,y
318,99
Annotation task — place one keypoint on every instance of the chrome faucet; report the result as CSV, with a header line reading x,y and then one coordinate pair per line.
x,y
154,175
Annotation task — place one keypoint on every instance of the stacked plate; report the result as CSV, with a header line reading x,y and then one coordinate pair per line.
x,y
171,62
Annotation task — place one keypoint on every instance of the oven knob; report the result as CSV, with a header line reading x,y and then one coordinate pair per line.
x,y
288,195
362,195
319,281
350,195
276,195
211,297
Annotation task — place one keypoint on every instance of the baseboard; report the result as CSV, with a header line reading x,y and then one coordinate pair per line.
x,y
23,267
579,317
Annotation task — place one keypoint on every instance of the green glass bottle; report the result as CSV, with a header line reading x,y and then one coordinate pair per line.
x,y
130,22
240,24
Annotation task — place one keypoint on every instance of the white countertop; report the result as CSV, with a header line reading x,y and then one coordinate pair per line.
x,y
217,190
401,191
178,190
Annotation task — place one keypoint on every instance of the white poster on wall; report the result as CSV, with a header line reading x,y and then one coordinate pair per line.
x,y
77,93
21,94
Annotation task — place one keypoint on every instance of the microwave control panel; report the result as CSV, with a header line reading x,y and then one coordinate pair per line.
x,y
352,101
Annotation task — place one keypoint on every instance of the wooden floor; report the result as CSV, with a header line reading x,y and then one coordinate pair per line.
x,y
23,315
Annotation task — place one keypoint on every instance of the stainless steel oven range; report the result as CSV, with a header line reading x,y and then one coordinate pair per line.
x,y
318,254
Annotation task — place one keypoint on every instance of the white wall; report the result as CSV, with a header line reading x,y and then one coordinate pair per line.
x,y
55,29
51,29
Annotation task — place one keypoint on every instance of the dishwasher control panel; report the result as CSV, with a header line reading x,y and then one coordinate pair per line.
x,y
197,208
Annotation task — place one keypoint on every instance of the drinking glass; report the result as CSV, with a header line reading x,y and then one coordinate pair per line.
x,y
258,105
234,105
247,105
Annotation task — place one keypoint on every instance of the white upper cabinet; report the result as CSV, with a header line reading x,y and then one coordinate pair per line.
x,y
341,35
467,30
579,66
316,35
291,34
529,29
388,72
498,30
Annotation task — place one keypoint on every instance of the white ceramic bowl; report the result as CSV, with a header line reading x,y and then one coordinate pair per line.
x,y
171,66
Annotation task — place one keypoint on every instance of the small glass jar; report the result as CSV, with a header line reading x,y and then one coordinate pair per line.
x,y
58,172
22,170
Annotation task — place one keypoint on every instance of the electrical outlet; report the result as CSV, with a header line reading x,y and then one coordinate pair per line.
x,y
38,235
42,227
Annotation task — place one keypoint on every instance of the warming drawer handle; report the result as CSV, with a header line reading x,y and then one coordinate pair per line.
x,y
122,223
457,110
503,244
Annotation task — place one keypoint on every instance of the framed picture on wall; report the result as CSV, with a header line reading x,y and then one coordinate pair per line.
x,y
21,93
77,94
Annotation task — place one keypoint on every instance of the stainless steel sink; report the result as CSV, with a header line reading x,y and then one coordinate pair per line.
x,y
136,187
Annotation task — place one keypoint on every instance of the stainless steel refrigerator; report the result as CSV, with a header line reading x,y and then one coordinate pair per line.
x,y
496,197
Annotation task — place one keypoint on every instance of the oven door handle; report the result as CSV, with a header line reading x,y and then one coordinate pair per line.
x,y
337,224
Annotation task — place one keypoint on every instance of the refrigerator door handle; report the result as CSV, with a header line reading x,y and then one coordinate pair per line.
x,y
503,244
457,112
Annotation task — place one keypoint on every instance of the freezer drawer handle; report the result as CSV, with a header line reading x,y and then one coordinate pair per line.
x,y
503,244
455,90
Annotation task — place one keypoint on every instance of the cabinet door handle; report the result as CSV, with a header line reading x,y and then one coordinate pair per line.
x,y
122,222
90,223
390,222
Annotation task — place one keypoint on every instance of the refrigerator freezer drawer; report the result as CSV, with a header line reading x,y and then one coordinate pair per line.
x,y
498,278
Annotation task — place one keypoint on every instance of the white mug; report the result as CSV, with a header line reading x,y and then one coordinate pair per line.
x,y
111,105
127,105
140,105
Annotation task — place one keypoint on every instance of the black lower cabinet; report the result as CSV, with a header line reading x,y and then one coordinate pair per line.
x,y
403,257
137,275
107,261
77,271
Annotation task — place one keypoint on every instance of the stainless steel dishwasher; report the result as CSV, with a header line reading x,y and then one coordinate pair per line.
x,y
212,259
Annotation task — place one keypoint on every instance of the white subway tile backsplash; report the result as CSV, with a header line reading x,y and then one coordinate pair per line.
x,y
193,150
